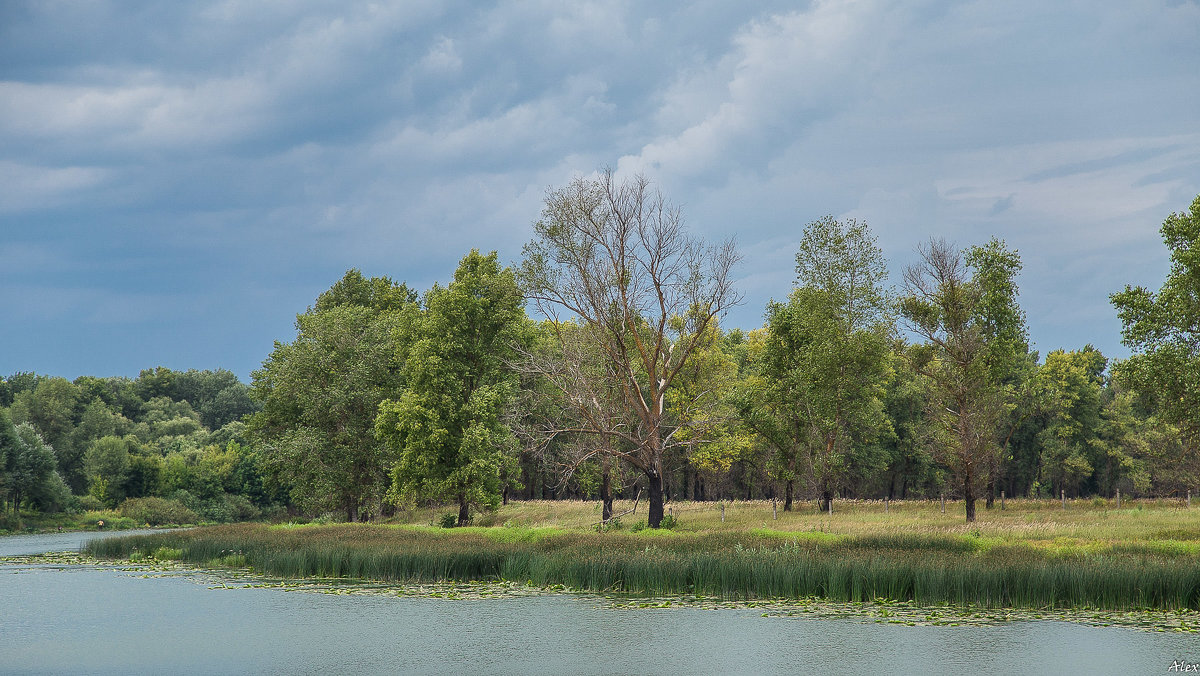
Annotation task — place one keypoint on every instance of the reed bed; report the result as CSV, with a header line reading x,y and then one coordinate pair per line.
x,y
927,569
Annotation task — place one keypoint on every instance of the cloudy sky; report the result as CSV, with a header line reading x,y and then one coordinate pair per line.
x,y
178,180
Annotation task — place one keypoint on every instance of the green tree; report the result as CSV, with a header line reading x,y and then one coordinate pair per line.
x,y
838,325
377,293
1071,387
15,384
31,467
217,396
1163,331
106,463
320,395
826,360
449,429
704,404
51,408
972,329
8,449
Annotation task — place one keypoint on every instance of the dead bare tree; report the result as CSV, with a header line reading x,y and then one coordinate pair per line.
x,y
613,258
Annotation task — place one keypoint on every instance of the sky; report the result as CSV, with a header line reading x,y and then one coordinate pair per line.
x,y
179,180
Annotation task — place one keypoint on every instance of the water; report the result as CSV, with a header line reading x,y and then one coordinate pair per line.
x,y
78,619
23,545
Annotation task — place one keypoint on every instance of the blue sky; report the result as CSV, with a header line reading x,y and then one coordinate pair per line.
x,y
178,180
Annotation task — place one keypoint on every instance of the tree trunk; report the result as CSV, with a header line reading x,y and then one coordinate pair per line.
x,y
351,510
464,513
606,496
969,498
826,499
655,517
787,495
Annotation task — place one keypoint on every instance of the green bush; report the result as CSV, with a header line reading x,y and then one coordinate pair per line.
x,y
448,520
157,511
90,503
668,522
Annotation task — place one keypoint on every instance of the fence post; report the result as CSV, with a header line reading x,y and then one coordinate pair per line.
x,y
1118,498
1001,501
1064,497
722,511
1189,504
830,503
774,509
886,507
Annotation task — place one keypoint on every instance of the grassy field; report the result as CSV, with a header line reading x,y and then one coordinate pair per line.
x,y
1031,555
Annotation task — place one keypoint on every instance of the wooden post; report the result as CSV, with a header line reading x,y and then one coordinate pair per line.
x,y
885,505
722,511
774,509
943,503
1064,497
1189,503
1001,501
1118,498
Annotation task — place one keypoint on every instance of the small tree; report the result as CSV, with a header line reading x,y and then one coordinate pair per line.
x,y
448,430
614,256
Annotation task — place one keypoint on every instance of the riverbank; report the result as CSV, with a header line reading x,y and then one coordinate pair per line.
x,y
1024,558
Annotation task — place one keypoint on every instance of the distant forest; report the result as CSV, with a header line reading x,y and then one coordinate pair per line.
x,y
628,385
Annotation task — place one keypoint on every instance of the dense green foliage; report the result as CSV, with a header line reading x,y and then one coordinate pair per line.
x,y
93,443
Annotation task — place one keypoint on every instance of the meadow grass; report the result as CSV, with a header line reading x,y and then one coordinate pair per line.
x,y
1031,555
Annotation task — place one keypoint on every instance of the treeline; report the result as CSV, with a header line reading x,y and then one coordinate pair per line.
x,y
629,386
94,443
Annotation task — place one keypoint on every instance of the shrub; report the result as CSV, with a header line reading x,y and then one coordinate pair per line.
x,y
157,511
668,522
90,503
448,520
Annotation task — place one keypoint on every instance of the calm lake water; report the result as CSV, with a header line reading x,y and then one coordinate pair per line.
x,y
78,619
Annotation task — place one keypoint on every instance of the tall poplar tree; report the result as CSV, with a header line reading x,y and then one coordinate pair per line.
x,y
828,350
